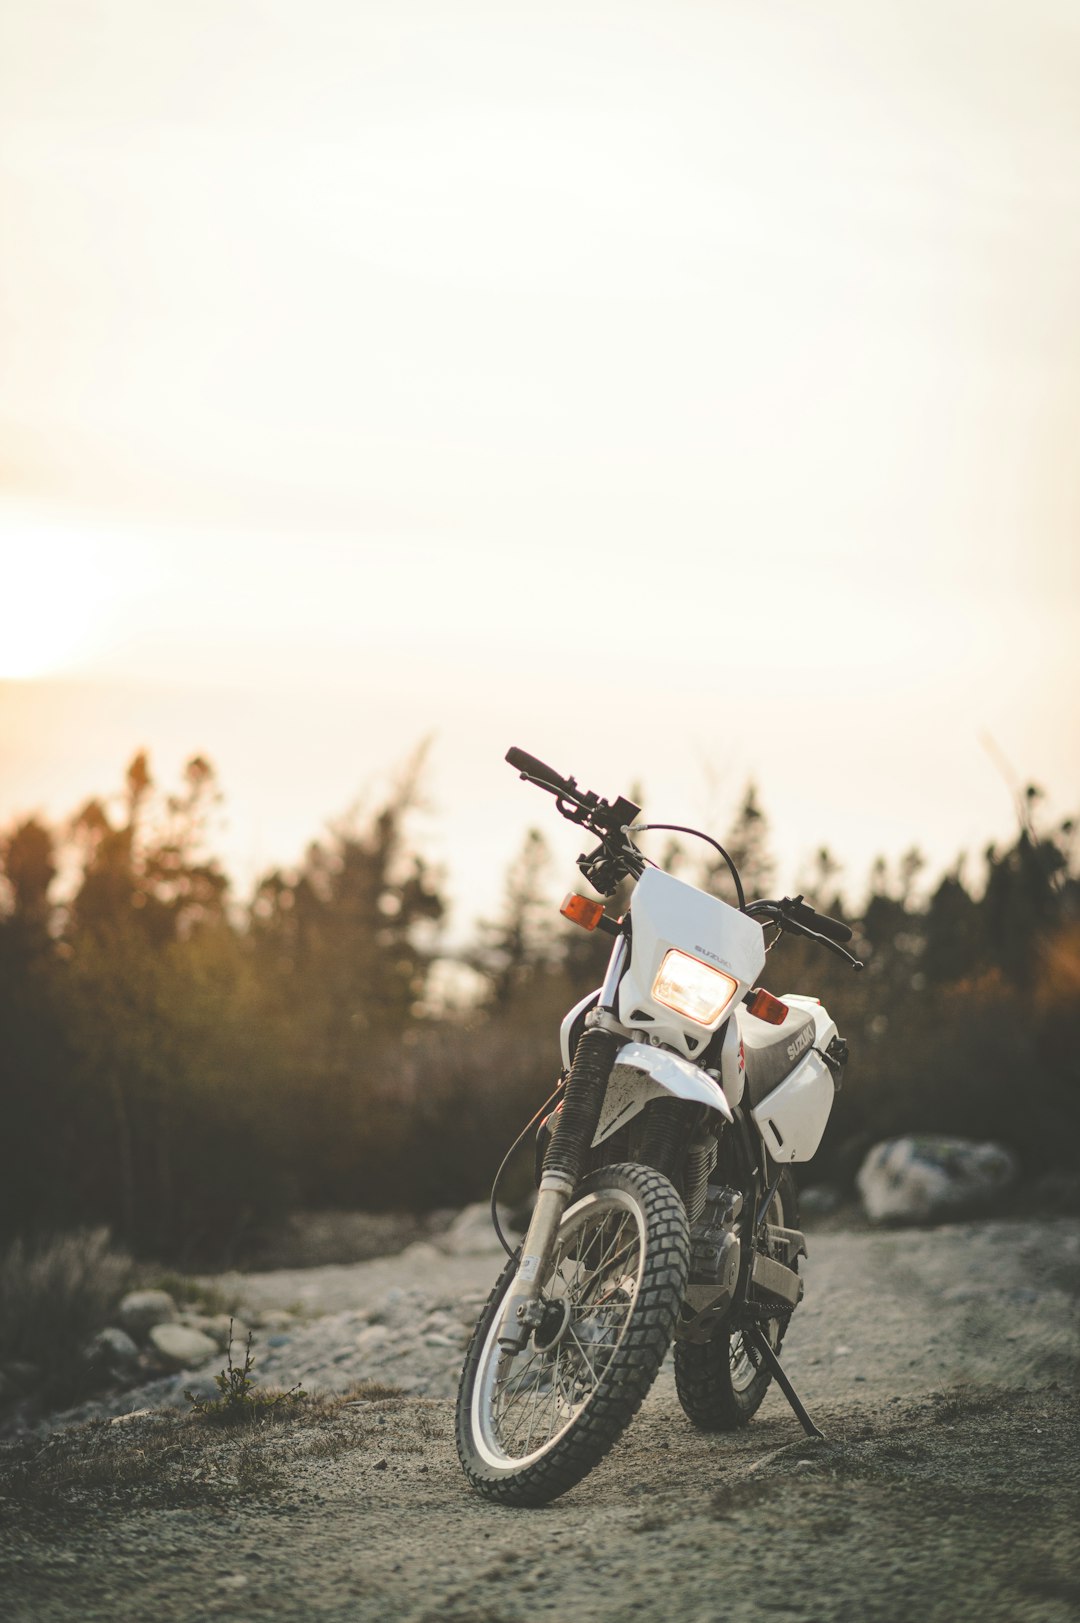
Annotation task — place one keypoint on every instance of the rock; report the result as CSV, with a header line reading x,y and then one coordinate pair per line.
x,y
112,1351
471,1233
217,1328
275,1318
376,1335
196,1321
141,1310
917,1180
180,1347
421,1251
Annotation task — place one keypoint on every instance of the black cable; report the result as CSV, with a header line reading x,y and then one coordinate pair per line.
x,y
502,1167
677,828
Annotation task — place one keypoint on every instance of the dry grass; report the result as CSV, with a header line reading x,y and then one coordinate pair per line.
x,y
54,1295
170,1459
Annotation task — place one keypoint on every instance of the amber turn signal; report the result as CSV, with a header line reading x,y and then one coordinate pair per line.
x,y
580,910
763,1006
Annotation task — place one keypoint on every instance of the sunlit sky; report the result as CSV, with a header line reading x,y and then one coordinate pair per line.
x,y
684,393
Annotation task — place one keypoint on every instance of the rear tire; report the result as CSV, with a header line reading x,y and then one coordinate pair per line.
x,y
532,1424
722,1383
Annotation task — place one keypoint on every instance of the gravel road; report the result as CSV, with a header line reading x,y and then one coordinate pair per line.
x,y
941,1365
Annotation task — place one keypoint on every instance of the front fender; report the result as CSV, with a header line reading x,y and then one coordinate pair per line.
x,y
641,1073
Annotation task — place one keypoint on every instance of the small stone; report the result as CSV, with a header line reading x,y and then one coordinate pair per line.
x,y
181,1348
374,1336
139,1311
217,1327
421,1251
113,1351
380,1465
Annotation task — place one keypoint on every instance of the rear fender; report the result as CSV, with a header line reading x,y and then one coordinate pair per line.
x,y
641,1073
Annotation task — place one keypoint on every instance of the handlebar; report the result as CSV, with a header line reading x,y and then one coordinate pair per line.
x,y
800,918
820,923
617,857
530,767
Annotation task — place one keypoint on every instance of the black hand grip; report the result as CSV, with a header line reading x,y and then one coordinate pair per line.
x,y
831,929
536,769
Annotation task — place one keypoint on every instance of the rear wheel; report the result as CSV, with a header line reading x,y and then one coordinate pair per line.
x,y
722,1383
532,1424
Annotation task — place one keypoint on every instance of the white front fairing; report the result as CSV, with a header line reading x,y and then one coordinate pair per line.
x,y
665,913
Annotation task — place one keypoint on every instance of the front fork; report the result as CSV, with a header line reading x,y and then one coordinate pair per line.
x,y
574,1132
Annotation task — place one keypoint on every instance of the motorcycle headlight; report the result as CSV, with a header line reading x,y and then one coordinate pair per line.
x,y
693,989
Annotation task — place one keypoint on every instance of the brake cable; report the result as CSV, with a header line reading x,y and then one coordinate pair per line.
x,y
502,1166
678,828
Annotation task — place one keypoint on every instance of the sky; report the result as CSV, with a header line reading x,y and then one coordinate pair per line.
x,y
685,394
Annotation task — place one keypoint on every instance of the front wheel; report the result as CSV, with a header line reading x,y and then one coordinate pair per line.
x,y
532,1424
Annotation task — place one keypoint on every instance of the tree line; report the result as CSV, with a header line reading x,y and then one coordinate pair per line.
x,y
185,1067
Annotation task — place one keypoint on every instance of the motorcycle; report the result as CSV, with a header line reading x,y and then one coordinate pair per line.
x,y
666,1207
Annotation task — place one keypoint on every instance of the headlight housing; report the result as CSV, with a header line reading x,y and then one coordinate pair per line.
x,y
695,990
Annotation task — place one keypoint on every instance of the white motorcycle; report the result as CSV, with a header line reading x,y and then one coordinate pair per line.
x,y
666,1207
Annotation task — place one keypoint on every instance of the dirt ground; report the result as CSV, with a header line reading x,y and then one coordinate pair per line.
x,y
940,1364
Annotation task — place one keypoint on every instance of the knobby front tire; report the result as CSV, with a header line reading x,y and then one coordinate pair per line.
x,y
531,1424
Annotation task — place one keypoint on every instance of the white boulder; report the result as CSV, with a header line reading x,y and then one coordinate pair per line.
x,y
181,1347
919,1179
139,1311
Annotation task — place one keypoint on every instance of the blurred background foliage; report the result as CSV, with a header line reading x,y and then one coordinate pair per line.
x,y
185,1069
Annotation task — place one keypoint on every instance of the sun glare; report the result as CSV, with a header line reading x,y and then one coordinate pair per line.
x,y
58,597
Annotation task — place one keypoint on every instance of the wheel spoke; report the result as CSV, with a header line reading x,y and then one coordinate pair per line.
x,y
585,1358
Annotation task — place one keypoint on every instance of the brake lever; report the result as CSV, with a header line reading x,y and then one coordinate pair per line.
x,y
776,914
823,941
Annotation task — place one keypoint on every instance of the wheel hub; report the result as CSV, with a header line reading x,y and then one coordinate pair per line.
x,y
552,1327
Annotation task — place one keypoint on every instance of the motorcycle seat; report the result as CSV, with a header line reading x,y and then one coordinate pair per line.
x,y
772,1052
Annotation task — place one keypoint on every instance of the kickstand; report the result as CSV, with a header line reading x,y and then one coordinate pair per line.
x,y
760,1345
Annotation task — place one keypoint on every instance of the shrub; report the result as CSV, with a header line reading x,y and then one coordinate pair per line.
x,y
54,1294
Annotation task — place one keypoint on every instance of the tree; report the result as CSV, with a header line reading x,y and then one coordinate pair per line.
x,y
520,944
747,843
